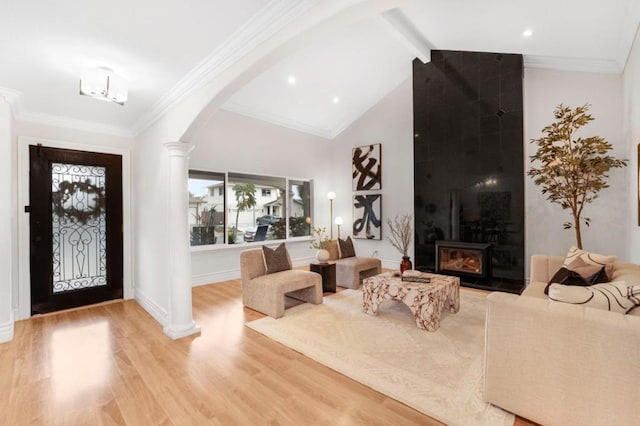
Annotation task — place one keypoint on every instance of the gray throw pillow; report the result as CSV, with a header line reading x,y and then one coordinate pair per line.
x,y
276,260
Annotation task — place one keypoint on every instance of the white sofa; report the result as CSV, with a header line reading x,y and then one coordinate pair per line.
x,y
561,364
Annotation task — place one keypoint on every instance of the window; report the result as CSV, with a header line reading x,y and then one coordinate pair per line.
x,y
299,208
237,208
256,219
206,210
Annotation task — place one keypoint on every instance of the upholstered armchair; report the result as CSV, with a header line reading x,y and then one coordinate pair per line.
x,y
351,270
265,292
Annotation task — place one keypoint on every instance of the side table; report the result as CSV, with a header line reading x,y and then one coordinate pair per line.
x,y
328,273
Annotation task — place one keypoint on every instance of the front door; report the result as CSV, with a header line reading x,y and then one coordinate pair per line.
x,y
75,228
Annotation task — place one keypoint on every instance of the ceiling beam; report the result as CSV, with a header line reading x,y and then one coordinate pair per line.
x,y
408,34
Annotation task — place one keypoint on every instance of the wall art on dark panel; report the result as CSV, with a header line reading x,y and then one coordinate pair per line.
x,y
367,167
469,160
367,216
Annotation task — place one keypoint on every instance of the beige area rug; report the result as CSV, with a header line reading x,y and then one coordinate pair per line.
x,y
438,374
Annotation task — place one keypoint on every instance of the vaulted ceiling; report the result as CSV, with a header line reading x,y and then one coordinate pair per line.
x,y
162,48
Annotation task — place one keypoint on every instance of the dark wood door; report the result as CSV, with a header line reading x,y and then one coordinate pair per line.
x,y
76,228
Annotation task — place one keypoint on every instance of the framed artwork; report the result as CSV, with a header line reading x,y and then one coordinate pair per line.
x,y
367,216
367,167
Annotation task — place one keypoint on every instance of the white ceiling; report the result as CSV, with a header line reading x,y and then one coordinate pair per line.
x,y
159,47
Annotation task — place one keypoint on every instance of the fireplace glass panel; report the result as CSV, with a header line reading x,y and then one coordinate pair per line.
x,y
466,261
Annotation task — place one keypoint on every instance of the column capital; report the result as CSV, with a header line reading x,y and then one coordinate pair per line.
x,y
179,149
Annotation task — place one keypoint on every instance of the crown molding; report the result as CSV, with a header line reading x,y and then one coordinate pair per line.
x,y
400,26
73,123
270,19
13,97
606,66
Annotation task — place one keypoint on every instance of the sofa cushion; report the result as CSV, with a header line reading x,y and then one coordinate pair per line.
x,y
346,248
575,253
276,260
616,296
579,273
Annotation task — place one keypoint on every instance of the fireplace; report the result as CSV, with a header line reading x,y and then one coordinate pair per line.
x,y
464,259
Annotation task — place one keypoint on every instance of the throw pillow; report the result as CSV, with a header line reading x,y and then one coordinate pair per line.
x,y
276,260
579,273
332,248
346,248
615,296
591,258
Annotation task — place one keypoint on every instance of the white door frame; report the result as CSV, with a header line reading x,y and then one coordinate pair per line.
x,y
24,274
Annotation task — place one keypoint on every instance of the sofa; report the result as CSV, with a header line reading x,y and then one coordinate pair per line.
x,y
562,364
350,271
265,293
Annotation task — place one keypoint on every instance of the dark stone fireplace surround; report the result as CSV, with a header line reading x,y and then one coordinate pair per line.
x,y
469,161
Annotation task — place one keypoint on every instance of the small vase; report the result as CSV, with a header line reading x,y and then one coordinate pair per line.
x,y
322,255
406,264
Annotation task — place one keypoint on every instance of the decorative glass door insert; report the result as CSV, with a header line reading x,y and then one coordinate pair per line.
x,y
79,232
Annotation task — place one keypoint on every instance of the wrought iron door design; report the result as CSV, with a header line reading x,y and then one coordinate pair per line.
x,y
79,229
76,224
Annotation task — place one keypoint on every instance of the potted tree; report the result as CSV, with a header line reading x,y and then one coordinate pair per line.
x,y
572,170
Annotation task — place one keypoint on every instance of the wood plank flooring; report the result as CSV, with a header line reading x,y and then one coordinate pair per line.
x,y
111,364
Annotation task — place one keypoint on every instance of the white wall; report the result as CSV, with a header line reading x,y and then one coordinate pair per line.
x,y
7,217
390,122
631,90
543,91
234,143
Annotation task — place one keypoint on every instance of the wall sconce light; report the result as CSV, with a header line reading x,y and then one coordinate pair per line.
x,y
338,222
105,85
331,196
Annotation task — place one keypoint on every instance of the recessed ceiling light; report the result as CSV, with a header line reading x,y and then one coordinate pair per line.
x,y
527,33
292,80
336,99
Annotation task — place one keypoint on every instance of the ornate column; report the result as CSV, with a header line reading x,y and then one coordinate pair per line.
x,y
180,308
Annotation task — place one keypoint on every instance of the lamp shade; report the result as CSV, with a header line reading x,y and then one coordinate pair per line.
x,y
338,221
331,195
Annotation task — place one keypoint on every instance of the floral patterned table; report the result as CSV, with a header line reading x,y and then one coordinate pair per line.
x,y
426,300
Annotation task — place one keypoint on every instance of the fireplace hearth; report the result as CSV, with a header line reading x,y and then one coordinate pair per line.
x,y
463,259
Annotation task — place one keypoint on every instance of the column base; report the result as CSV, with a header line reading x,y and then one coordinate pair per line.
x,y
177,332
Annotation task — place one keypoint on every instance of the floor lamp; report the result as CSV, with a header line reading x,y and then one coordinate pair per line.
x,y
338,222
331,196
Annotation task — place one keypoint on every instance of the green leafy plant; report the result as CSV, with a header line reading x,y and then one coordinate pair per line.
x,y
245,199
401,233
572,170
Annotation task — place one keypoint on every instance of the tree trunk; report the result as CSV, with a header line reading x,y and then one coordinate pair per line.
x,y
235,230
576,226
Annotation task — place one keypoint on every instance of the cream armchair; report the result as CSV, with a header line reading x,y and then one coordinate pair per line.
x,y
351,270
266,292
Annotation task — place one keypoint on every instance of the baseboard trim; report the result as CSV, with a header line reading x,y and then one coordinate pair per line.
x,y
6,330
158,313
234,274
177,333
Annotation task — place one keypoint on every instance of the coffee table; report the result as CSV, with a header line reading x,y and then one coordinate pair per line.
x,y
426,300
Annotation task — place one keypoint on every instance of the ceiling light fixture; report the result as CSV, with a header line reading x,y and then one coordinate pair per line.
x,y
527,33
292,80
336,100
104,84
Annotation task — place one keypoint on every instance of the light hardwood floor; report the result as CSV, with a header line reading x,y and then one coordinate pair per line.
x,y
112,364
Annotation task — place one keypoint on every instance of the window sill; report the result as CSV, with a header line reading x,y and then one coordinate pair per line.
x,y
245,245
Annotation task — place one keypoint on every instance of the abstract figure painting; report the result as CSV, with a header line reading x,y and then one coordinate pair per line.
x,y
367,223
367,167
